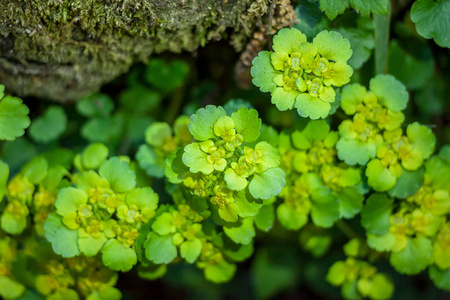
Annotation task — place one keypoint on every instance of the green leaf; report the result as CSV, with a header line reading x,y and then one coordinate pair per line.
x,y
13,117
190,250
243,234
160,249
415,257
311,18
421,138
64,241
163,224
174,168
350,202
4,174
202,122
245,207
157,133
18,152
402,65
89,245
267,184
325,208
377,7
220,272
441,278
69,199
241,254
119,174
333,8
375,215
166,76
10,289
265,218
362,44
381,242
290,218
390,92
311,107
432,19
150,162
332,45
36,170
288,40
263,72
139,99
354,152
50,126
93,156
407,184
103,130
195,159
95,105
13,225
117,256
247,124
380,178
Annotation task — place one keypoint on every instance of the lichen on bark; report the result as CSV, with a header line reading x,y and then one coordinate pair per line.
x,y
64,49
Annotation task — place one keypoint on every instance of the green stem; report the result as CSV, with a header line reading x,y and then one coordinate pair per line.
x,y
382,26
175,105
347,230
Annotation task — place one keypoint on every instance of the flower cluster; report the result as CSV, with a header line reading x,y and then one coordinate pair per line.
x,y
102,212
301,74
358,278
417,233
226,166
374,136
317,184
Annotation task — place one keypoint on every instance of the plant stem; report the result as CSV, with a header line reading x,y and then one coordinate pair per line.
x,y
382,26
175,104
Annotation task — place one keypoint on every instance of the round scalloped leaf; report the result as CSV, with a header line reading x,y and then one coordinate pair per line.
x,y
333,8
190,250
324,208
350,202
242,234
247,124
441,278
13,225
10,289
64,241
202,122
13,117
93,156
174,168
312,107
352,95
333,46
290,218
353,152
150,162
267,184
390,92
415,257
432,19
380,243
282,99
95,105
422,139
375,214
69,200
4,174
379,177
288,40
263,72
157,133
117,256
245,207
265,218
166,76
364,7
119,174
407,184
139,99
220,272
444,153
160,249
50,126
90,245
195,159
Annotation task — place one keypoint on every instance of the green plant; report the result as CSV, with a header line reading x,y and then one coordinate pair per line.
x,y
116,183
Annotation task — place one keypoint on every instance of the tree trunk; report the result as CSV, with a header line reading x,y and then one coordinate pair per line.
x,y
64,49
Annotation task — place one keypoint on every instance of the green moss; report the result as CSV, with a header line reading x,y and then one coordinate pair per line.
x,y
62,49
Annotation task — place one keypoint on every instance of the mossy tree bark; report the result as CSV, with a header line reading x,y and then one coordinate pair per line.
x,y
64,49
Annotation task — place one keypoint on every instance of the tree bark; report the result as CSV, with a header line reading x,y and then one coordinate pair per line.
x,y
64,49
